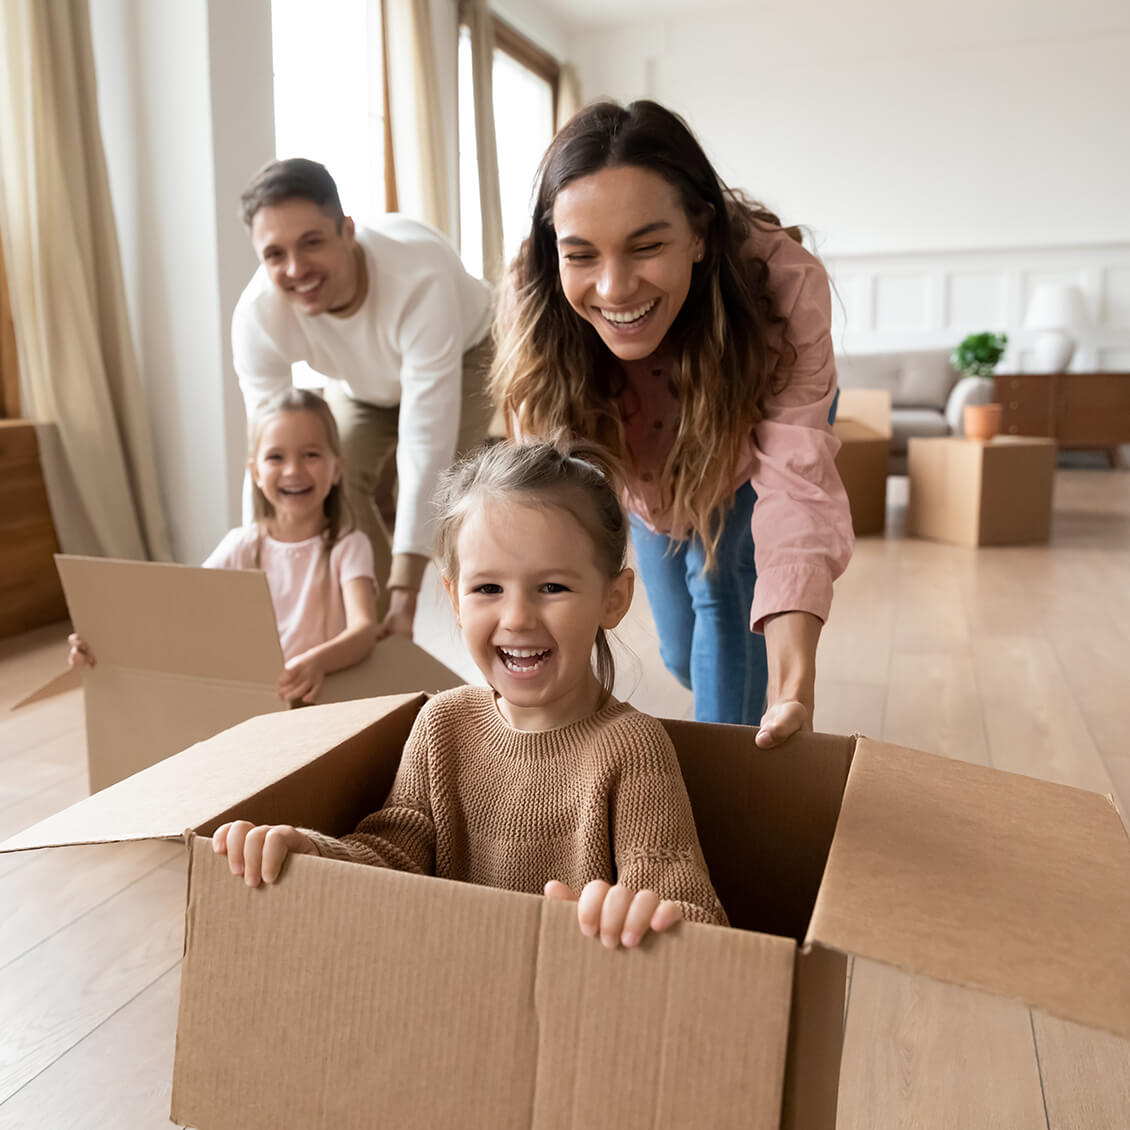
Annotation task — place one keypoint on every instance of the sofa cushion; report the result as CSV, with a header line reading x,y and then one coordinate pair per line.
x,y
907,422
915,378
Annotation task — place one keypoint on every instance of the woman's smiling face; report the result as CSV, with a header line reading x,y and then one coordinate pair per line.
x,y
625,250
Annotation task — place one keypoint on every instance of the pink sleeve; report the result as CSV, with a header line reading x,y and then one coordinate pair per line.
x,y
354,558
801,524
231,553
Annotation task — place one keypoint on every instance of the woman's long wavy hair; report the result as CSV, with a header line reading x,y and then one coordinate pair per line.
x,y
552,372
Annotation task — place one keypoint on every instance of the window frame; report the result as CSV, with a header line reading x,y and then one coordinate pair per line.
x,y
510,41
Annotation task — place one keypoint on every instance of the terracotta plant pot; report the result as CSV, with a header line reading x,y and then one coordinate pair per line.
x,y
982,421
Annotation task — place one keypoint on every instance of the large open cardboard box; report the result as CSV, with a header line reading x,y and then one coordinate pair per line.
x,y
161,680
972,492
347,997
863,427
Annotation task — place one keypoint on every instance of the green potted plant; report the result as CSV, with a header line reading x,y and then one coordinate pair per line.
x,y
976,358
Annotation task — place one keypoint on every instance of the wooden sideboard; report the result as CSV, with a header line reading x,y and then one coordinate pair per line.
x,y
1077,410
30,593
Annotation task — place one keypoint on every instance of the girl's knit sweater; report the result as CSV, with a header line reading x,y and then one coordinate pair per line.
x,y
478,801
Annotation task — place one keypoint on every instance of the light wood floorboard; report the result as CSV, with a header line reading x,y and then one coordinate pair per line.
x,y
1016,658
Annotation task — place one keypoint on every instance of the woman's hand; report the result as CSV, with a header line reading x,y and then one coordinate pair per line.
x,y
258,853
781,721
79,654
790,643
302,678
620,915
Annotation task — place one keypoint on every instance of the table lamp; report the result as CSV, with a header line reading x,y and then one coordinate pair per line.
x,y
1056,309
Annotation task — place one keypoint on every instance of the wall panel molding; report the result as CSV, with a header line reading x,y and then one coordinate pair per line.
x,y
931,300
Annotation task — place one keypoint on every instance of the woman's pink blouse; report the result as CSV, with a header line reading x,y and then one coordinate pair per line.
x,y
801,524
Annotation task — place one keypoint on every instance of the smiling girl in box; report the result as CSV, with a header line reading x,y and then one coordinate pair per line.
x,y
319,569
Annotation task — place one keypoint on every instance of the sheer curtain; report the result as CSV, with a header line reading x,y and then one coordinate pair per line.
x,y
421,184
78,370
476,15
568,93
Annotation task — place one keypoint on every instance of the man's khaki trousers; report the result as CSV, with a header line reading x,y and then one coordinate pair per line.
x,y
368,438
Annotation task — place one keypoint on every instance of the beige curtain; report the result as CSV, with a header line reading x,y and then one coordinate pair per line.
x,y
78,371
476,14
568,93
417,114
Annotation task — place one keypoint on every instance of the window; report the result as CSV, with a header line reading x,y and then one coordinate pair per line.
x,y
328,94
525,95
329,103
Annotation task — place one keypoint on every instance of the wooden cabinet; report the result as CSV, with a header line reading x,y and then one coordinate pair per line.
x,y
1077,410
30,593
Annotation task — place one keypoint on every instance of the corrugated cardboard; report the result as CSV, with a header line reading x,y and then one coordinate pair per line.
x,y
184,652
981,493
361,997
863,427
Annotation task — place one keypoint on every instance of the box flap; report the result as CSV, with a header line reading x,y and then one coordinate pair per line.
x,y
691,1030
166,618
868,406
395,666
1000,882
851,432
412,1002
195,787
135,718
69,680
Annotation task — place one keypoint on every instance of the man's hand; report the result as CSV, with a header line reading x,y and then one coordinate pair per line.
x,y
621,916
781,721
401,614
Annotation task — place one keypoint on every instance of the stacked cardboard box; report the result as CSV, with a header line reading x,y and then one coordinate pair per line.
x,y
863,427
972,492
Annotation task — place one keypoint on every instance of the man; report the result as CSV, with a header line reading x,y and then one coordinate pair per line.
x,y
393,318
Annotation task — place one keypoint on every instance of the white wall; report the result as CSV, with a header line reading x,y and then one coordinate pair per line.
x,y
538,23
932,300
943,158
186,115
900,136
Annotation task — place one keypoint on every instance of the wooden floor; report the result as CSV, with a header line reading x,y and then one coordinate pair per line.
x,y
1017,658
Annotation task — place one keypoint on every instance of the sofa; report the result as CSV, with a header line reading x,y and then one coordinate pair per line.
x,y
928,396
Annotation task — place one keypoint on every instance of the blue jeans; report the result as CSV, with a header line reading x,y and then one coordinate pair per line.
x,y
703,618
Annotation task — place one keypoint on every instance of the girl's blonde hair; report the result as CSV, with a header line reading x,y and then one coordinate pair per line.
x,y
579,478
552,371
339,515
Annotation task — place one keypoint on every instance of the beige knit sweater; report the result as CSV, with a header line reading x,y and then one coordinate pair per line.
x,y
478,801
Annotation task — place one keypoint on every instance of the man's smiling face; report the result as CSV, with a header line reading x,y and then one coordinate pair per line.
x,y
312,263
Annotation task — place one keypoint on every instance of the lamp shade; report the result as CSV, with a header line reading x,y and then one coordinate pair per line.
x,y
1056,306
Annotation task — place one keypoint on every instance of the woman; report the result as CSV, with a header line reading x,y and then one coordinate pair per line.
x,y
676,322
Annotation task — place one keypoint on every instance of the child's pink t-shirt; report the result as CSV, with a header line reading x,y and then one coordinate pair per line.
x,y
308,601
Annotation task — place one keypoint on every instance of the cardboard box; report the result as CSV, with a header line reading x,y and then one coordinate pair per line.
x,y
863,426
183,652
973,493
359,997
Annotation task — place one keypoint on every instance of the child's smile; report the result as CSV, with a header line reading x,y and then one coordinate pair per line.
x,y
524,661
